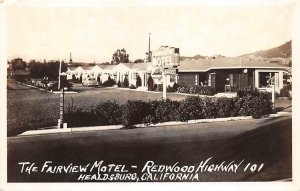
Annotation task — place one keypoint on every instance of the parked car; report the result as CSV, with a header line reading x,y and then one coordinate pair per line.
x,y
89,82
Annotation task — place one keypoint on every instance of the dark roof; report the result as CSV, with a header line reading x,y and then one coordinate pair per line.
x,y
204,65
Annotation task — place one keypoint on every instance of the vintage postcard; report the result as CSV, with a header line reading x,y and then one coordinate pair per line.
x,y
149,93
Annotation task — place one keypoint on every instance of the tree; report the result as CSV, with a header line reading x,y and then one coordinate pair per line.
x,y
18,64
138,81
120,56
139,61
150,83
48,69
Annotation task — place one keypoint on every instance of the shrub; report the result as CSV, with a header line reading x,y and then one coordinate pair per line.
x,y
167,111
99,80
109,82
126,82
200,90
285,91
255,106
132,86
105,113
225,107
133,112
54,86
173,88
150,83
155,87
119,84
138,81
151,117
159,87
183,90
191,108
108,113
252,92
136,112
169,89
79,118
210,109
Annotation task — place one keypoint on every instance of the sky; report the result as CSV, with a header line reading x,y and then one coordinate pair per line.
x,y
94,33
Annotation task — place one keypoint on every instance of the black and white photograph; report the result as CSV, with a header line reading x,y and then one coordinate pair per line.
x,y
145,93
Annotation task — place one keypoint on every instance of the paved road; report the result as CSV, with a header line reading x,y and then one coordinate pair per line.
x,y
260,141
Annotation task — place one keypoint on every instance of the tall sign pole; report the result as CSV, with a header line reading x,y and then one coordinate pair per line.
x,y
59,74
149,50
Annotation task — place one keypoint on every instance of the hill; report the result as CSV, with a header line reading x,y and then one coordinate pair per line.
x,y
283,51
196,57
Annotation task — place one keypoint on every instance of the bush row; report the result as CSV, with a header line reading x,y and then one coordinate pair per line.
x,y
152,112
201,90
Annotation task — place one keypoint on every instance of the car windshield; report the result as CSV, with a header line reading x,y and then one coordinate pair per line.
x,y
92,79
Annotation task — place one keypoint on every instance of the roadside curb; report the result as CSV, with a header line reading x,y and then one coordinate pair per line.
x,y
115,127
70,130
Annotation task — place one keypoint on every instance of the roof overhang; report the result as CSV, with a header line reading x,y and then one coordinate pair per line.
x,y
222,68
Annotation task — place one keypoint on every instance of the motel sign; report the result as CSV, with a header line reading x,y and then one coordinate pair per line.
x,y
167,59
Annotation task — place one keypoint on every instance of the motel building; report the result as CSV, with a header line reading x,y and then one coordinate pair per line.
x,y
232,74
223,74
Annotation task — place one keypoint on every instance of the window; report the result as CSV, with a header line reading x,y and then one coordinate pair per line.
x,y
267,78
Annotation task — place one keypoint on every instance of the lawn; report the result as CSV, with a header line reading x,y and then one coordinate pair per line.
x,y
29,108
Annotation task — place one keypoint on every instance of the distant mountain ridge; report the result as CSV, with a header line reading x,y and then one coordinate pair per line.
x,y
283,51
196,57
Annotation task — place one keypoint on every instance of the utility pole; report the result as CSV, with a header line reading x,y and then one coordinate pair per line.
x,y
71,58
149,51
149,42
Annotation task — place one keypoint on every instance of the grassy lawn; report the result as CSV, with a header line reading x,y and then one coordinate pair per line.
x,y
31,108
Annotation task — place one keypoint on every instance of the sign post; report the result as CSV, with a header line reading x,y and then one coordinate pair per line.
x,y
62,99
61,109
165,72
164,85
273,96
